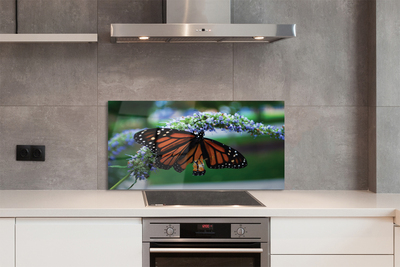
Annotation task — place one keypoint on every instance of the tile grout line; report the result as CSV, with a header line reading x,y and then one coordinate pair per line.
x,y
97,99
233,72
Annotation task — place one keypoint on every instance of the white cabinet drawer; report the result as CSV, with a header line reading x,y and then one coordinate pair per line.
x,y
7,233
332,260
332,235
78,242
397,246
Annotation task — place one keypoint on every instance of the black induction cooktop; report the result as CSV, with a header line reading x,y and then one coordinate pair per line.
x,y
200,198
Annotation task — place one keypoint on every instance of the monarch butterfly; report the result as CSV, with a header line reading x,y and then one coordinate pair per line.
x,y
177,149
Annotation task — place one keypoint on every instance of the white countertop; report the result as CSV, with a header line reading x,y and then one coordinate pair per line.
x,y
84,203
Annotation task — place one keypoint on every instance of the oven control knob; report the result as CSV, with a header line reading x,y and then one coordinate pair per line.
x,y
240,231
170,231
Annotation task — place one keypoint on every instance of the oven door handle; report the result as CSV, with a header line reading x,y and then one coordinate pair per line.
x,y
206,250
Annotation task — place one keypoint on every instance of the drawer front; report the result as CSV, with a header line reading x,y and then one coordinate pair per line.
x,y
78,242
332,260
397,246
7,244
332,235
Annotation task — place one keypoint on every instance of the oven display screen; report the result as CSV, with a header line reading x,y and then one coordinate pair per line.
x,y
205,230
205,227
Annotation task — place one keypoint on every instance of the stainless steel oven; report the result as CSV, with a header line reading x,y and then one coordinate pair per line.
x,y
195,242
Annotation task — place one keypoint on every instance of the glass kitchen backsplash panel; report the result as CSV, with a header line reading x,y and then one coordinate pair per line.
x,y
196,145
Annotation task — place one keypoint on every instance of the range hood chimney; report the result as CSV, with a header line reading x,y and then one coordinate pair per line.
x,y
194,21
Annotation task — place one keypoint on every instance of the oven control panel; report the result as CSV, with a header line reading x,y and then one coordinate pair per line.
x,y
191,229
206,230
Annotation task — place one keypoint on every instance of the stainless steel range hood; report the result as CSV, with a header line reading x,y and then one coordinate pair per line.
x,y
188,21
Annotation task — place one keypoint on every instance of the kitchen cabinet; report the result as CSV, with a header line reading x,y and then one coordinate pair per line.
x,y
397,246
355,242
332,260
7,233
78,242
332,235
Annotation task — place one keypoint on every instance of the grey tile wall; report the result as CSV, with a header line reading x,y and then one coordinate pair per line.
x,y
327,64
48,74
56,94
387,142
165,71
57,16
326,148
387,149
388,56
102,152
7,16
372,171
70,136
48,96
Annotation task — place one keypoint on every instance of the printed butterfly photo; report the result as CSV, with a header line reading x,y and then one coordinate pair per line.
x,y
196,145
177,149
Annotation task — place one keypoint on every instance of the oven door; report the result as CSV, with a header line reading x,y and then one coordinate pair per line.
x,y
216,254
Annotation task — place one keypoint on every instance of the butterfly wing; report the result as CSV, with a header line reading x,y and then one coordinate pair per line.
x,y
220,156
173,148
195,156
177,149
147,138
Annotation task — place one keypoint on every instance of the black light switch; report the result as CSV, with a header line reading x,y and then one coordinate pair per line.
x,y
31,153
23,152
38,153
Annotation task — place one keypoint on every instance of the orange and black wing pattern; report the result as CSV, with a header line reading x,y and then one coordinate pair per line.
x,y
177,149
220,156
173,148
